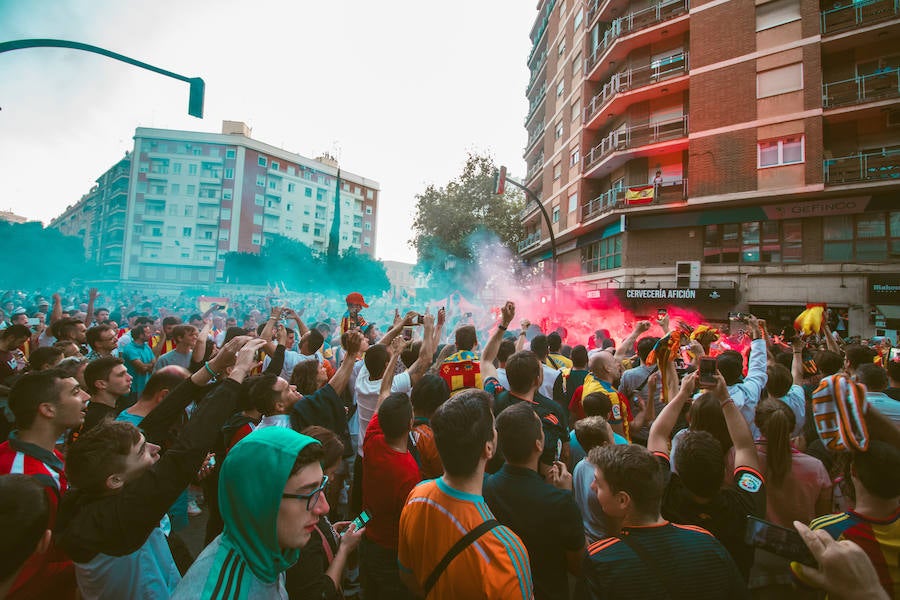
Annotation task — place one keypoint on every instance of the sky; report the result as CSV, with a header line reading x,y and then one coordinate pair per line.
x,y
398,91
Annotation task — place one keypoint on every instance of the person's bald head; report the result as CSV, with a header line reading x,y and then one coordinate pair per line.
x,y
603,366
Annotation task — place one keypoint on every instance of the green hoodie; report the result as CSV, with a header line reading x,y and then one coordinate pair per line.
x,y
251,483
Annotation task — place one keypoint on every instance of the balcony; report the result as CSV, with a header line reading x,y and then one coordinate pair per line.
x,y
534,169
542,28
536,103
633,79
882,85
531,240
634,22
534,136
536,71
864,167
630,138
858,14
668,192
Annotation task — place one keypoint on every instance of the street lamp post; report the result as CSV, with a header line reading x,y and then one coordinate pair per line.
x,y
197,86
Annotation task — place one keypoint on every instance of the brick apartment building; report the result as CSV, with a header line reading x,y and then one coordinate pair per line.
x,y
748,151
171,209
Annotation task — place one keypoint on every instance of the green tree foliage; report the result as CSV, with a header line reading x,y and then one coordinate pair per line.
x,y
450,219
39,257
300,268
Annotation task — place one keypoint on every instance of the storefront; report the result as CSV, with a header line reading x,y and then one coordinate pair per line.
x,y
884,300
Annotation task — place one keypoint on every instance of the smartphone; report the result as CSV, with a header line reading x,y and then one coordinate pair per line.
x,y
737,316
407,333
778,540
33,322
421,320
558,449
360,521
708,369
894,355
661,313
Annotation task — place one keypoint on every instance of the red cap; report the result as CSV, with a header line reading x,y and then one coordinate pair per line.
x,y
356,298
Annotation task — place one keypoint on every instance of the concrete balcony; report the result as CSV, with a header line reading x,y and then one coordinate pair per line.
x,y
536,104
855,15
637,85
864,167
639,28
883,85
534,170
627,142
668,192
528,242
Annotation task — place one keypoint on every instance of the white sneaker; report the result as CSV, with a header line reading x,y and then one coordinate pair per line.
x,y
192,509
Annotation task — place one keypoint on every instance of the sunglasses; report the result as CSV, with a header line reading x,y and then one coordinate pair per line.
x,y
311,498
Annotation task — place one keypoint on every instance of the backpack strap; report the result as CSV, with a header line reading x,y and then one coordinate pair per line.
x,y
455,550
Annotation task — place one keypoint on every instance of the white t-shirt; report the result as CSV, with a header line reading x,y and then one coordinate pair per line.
x,y
367,391
291,360
550,375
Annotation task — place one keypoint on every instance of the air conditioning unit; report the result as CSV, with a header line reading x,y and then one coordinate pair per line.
x,y
687,274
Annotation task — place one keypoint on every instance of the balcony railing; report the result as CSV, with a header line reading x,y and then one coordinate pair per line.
x,y
667,192
865,88
536,71
636,21
858,14
636,136
623,81
862,167
542,29
529,241
534,169
533,106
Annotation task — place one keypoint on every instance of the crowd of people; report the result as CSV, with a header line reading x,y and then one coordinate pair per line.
x,y
380,452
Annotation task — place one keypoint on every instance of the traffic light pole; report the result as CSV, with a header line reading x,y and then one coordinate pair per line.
x,y
531,195
195,101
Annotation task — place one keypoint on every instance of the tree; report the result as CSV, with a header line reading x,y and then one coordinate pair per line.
x,y
451,219
39,257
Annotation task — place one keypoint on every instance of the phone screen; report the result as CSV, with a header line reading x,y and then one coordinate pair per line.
x,y
708,372
778,540
361,521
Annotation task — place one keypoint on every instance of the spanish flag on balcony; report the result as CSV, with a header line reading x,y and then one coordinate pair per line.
x,y
642,194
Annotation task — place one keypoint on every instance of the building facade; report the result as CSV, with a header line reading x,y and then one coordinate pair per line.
x,y
173,208
720,154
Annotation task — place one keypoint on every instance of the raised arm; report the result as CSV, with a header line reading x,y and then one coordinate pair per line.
x,y
293,315
200,347
426,352
92,299
269,328
658,441
745,454
507,312
394,331
396,347
56,311
340,379
626,348
523,334
797,361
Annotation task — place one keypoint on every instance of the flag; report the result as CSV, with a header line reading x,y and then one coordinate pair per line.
x,y
642,194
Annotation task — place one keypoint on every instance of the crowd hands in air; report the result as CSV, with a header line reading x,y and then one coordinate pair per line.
x,y
404,459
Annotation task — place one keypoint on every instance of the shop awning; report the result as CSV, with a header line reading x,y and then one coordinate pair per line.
x,y
889,311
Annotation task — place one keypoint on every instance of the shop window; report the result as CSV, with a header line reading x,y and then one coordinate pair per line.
x,y
753,242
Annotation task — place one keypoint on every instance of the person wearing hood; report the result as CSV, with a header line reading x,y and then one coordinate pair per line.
x,y
271,496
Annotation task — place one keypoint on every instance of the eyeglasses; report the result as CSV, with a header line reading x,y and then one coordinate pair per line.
x,y
311,498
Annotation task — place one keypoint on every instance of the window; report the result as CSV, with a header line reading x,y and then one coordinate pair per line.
x,y
288,207
561,49
156,231
560,87
305,228
573,201
557,170
559,130
602,255
192,169
317,232
320,194
292,187
170,231
369,194
257,219
274,166
753,242
176,189
576,20
307,192
556,214
784,151
261,161
292,171
256,239
176,168
261,180
368,227
779,12
189,211
779,81
186,232
367,242
869,237
173,209
226,214
576,66
576,110
229,173
138,229
368,210
259,200
223,234
226,194
230,153
191,190
574,158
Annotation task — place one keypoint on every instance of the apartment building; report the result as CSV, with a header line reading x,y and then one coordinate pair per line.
x,y
719,155
173,208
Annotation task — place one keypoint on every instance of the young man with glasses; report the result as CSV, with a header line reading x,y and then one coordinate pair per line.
x,y
271,495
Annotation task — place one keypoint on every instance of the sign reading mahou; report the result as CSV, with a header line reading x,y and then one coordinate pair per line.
x,y
884,289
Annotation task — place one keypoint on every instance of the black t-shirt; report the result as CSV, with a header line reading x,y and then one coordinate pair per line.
x,y
553,421
546,518
725,516
893,392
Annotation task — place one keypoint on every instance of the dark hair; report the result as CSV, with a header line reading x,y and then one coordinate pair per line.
x,y
429,393
462,426
260,393
878,469
522,370
314,341
779,381
706,415
93,334
540,346
776,421
700,463
171,321
633,470
507,349
141,330
597,404
44,356
332,446
731,365
24,519
167,378
828,362
785,359
311,454
554,342
305,376
645,346
179,331
32,390
14,331
394,415
858,355
872,376
99,370
518,427
376,360
195,317
466,337
98,453
893,369
233,332
411,353
579,356
62,329
592,432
